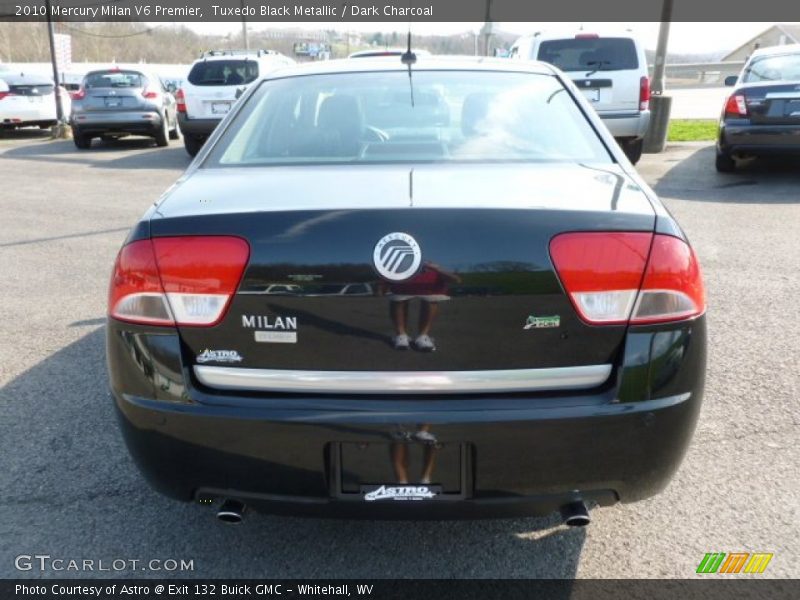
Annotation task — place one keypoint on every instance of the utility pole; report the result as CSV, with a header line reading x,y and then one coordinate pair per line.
x,y
61,125
659,68
660,104
244,30
487,29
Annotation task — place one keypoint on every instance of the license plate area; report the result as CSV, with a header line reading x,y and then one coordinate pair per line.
x,y
593,94
113,102
407,470
220,108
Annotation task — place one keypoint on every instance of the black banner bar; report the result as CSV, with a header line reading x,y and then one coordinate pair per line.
x,y
403,11
712,588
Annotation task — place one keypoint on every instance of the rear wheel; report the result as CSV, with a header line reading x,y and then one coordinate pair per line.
x,y
725,163
175,132
633,149
162,135
192,144
81,140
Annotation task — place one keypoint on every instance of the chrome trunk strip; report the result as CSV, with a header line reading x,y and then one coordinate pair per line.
x,y
402,382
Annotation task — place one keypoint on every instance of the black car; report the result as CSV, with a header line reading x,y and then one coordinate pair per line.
x,y
571,372
762,116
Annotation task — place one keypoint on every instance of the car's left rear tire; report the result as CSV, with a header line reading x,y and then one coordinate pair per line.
x,y
162,135
724,163
81,140
175,132
633,149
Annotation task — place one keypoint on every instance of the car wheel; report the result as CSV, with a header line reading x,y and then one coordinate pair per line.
x,y
175,132
162,135
725,163
633,150
192,144
81,140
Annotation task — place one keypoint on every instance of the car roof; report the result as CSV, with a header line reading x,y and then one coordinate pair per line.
x,y
253,55
423,63
566,34
13,78
776,50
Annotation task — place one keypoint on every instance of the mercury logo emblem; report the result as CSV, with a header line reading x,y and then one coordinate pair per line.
x,y
397,256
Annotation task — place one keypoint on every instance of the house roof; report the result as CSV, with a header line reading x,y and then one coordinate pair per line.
x,y
792,32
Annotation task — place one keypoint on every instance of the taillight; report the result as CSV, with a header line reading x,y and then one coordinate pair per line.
x,y
736,106
610,279
4,94
150,93
644,93
601,272
180,101
135,293
673,283
177,280
79,94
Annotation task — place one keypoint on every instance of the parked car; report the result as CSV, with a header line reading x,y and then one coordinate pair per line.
x,y
610,70
214,83
28,100
580,381
114,103
762,116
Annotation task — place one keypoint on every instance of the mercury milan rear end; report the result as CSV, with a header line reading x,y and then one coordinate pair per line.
x,y
518,324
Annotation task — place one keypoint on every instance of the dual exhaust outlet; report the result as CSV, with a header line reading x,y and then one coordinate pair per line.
x,y
573,514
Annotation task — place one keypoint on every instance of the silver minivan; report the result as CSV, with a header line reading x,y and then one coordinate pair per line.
x,y
610,70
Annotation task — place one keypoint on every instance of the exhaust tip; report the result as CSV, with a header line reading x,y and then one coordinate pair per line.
x,y
575,514
231,512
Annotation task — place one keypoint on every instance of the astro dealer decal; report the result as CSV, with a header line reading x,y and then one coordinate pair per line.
x,y
272,329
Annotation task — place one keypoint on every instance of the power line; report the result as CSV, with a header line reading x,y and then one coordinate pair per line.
x,y
105,35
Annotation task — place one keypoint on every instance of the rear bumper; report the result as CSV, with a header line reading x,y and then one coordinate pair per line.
x,y
118,122
525,454
749,139
627,125
197,127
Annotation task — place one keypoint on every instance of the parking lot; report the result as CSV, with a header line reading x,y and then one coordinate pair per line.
x,y
70,489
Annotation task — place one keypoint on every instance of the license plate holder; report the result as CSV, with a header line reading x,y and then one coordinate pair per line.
x,y
592,94
368,472
113,102
220,108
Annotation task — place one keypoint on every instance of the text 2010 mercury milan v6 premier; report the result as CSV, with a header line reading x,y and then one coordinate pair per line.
x,y
408,290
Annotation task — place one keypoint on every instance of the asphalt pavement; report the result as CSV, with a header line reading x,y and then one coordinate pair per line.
x,y
68,488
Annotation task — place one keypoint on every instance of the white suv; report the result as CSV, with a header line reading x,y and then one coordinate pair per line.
x,y
214,83
611,70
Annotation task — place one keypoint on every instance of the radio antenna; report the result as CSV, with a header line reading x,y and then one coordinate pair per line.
x,y
409,58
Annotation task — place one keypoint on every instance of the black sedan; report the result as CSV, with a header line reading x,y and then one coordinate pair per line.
x,y
762,116
532,337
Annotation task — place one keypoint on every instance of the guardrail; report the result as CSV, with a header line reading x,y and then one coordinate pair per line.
x,y
694,75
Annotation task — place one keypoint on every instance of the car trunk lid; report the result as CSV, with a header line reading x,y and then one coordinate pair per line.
x,y
486,272
773,103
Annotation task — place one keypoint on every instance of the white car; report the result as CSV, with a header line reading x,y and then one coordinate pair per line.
x,y
214,83
611,71
28,101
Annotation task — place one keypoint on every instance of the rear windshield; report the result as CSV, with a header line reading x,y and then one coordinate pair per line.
x,y
370,117
773,68
590,54
223,72
31,90
114,79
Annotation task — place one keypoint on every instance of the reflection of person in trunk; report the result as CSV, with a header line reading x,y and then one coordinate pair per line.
x,y
400,456
430,286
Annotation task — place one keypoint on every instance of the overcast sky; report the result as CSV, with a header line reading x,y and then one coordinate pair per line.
x,y
684,37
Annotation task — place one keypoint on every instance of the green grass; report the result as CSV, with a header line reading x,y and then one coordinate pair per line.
x,y
692,130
